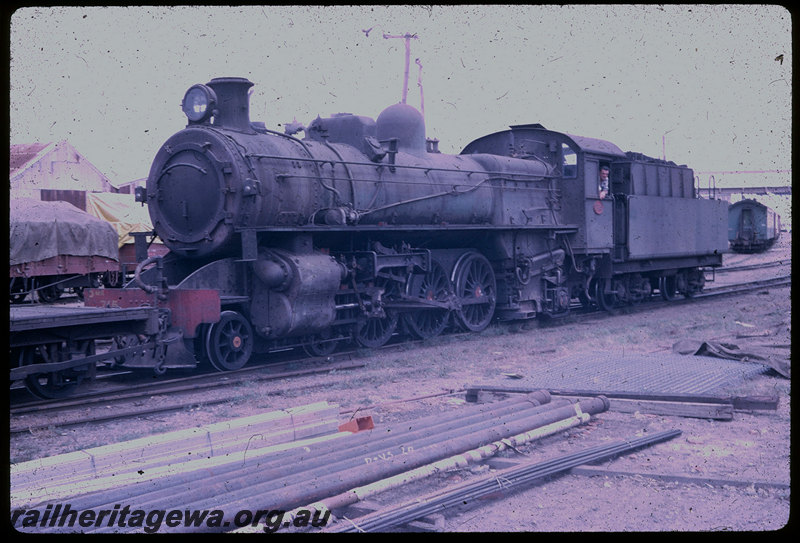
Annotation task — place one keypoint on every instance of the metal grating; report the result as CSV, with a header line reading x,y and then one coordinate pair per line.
x,y
620,372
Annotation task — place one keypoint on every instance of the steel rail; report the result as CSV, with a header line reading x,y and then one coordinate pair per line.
x,y
511,478
454,462
750,267
182,384
171,407
745,287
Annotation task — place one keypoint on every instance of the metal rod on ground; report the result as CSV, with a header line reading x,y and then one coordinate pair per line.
x,y
267,496
514,478
325,480
232,477
739,402
307,472
454,462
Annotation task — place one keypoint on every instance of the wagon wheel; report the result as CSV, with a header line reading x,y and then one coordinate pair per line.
x,y
476,290
428,323
49,294
58,384
320,344
51,386
17,292
668,285
229,342
18,289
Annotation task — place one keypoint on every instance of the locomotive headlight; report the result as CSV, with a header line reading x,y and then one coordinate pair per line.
x,y
199,103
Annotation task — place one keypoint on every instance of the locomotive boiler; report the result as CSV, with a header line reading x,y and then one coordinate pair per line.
x,y
362,229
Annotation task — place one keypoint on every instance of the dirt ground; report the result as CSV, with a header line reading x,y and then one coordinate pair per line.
x,y
750,452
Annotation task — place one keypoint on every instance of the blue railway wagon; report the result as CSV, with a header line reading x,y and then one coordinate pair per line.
x,y
752,226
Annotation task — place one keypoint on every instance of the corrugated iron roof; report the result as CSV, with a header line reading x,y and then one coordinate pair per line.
x,y
22,154
634,372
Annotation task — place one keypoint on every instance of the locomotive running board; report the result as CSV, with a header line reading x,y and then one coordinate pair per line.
x,y
382,227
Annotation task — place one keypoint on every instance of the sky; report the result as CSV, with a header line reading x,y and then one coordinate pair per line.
x,y
705,85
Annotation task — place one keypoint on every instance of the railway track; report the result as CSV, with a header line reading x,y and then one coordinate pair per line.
x,y
172,387
72,411
134,350
735,288
748,267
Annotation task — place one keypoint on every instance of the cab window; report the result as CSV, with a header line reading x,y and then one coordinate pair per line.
x,y
569,161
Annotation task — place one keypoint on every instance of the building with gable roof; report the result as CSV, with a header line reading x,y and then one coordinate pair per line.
x,y
52,166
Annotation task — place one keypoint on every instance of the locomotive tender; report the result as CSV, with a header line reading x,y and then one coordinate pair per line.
x,y
363,229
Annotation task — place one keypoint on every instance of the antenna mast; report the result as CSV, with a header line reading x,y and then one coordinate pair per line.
x,y
419,84
407,37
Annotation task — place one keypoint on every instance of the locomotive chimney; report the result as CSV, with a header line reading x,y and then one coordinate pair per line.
x,y
233,102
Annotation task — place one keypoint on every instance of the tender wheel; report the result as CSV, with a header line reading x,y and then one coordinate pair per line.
x,y
476,290
695,281
428,323
586,300
607,300
320,344
640,289
668,286
229,342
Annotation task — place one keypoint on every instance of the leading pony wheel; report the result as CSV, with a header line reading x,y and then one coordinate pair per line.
x,y
229,342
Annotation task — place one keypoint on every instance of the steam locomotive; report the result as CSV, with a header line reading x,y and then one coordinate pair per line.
x,y
362,229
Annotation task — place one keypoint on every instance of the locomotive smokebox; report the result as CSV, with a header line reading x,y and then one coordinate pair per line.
x,y
233,102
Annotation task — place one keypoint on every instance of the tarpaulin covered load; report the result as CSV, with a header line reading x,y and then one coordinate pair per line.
x,y
122,211
41,230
